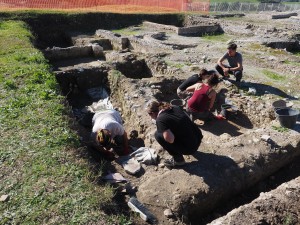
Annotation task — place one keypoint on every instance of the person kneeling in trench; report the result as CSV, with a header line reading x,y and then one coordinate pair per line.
x,y
201,104
176,133
108,134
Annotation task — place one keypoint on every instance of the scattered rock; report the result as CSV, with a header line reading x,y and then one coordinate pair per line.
x,y
168,213
265,137
4,198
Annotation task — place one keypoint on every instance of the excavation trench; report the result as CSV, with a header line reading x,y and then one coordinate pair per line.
x,y
223,167
233,156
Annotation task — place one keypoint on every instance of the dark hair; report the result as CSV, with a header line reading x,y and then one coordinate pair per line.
x,y
211,72
103,137
155,106
213,80
232,46
202,73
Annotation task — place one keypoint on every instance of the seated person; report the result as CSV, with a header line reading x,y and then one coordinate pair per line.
x,y
202,101
181,90
108,133
235,61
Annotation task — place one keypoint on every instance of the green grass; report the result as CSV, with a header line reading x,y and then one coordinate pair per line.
x,y
174,64
292,63
296,53
126,32
273,75
280,129
47,182
216,38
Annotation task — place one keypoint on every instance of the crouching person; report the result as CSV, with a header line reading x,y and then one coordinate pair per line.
x,y
108,134
200,105
176,133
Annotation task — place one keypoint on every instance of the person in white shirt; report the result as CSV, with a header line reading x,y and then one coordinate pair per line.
x,y
108,133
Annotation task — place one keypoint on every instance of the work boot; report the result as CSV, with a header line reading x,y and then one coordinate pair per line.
x,y
172,162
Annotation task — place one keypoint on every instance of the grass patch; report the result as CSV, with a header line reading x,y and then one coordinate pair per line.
x,y
273,75
216,38
126,32
176,65
256,46
280,129
46,181
292,63
296,53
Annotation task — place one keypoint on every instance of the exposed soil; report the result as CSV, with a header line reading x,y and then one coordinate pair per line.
x,y
229,146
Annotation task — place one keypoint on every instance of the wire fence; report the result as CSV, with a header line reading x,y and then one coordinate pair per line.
x,y
252,7
203,6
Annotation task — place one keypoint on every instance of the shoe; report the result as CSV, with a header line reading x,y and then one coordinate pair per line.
x,y
220,117
172,163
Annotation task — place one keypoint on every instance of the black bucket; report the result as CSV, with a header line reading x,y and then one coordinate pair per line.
x,y
281,104
178,102
225,110
287,117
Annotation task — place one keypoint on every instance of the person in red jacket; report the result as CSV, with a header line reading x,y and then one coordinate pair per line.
x,y
202,101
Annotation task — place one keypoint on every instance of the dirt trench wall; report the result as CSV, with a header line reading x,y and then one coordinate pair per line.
x,y
194,30
284,200
83,79
51,28
55,53
198,188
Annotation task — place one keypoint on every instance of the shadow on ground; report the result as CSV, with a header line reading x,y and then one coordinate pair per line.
x,y
231,126
262,89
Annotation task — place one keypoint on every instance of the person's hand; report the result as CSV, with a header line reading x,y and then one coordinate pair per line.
x,y
226,72
145,155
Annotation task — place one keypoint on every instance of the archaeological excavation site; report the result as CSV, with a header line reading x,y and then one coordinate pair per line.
x,y
247,168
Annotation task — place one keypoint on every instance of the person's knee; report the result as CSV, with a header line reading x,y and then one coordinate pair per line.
x,y
158,137
180,93
219,69
238,75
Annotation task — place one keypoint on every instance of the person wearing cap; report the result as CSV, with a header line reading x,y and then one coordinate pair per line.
x,y
195,78
204,95
176,133
108,133
235,63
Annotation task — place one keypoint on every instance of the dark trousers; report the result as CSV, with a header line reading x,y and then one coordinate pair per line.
x,y
206,115
176,149
238,74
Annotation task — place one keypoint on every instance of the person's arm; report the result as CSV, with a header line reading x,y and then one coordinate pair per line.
x,y
168,136
125,144
193,87
239,67
212,96
220,62
224,68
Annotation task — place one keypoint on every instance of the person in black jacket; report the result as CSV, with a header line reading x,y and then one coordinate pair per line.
x,y
176,133
195,78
